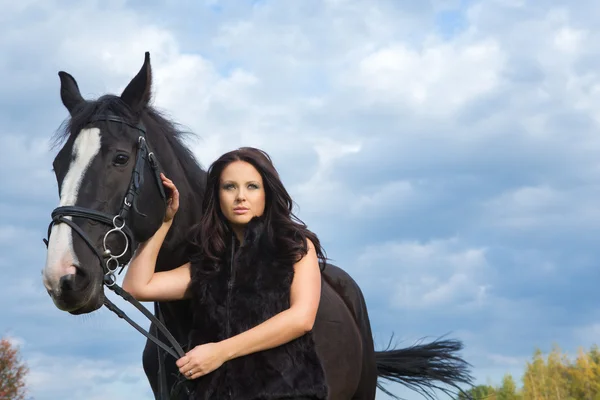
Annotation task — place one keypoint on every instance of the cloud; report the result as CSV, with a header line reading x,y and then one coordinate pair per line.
x,y
587,335
505,360
535,207
28,156
441,273
436,79
332,193
446,153
90,378
14,341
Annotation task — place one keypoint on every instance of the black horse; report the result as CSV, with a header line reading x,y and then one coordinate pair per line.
x,y
111,199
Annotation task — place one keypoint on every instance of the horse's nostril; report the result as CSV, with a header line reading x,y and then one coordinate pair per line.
x,y
67,282
76,280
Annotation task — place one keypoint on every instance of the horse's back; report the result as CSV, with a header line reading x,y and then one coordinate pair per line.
x,y
338,343
343,332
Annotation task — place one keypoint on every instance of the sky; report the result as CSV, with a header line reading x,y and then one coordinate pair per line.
x,y
446,152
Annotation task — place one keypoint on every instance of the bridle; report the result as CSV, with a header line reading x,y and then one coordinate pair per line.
x,y
117,224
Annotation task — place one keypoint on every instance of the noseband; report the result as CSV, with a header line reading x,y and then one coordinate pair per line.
x,y
117,225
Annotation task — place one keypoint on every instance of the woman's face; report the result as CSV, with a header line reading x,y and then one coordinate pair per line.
x,y
241,193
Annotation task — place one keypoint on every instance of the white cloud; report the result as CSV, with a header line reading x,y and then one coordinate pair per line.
x,y
63,377
587,335
504,360
417,275
320,192
543,206
435,79
28,157
14,341
12,234
569,40
389,199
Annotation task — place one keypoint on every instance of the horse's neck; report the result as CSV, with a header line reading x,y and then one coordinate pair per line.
x,y
190,180
176,252
175,314
171,257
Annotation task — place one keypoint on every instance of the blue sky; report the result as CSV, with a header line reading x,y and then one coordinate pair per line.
x,y
446,153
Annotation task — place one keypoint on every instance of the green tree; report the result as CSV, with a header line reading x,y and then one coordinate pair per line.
x,y
534,378
585,376
558,385
594,355
556,377
480,392
508,389
12,372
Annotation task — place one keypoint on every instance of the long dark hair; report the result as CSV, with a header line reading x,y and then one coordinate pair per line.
x,y
283,230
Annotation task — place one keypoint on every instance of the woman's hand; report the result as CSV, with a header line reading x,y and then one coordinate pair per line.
x,y
201,360
173,201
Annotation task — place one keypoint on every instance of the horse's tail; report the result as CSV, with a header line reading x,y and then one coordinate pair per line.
x,y
424,367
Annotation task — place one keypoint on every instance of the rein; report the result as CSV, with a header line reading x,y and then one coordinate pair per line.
x,y
117,223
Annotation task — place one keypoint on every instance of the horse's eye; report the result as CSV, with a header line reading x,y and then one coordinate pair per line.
x,y
121,159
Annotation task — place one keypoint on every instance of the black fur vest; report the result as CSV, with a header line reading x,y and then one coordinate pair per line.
x,y
241,294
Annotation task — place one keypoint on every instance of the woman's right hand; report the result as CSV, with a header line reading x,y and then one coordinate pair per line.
x,y
173,201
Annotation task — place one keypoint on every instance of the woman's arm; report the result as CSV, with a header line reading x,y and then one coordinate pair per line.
x,y
140,279
305,294
146,285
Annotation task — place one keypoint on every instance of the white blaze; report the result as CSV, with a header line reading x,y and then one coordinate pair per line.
x,y
61,257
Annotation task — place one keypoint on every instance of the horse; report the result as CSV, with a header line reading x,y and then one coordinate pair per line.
x,y
111,152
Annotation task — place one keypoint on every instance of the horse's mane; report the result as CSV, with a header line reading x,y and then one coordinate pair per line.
x,y
157,126
182,166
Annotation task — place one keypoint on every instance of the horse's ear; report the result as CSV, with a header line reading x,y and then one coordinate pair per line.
x,y
137,94
69,92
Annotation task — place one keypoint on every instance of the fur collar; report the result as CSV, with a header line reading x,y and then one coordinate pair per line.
x,y
256,242
254,231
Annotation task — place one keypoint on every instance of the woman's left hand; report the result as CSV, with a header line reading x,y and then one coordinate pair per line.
x,y
201,360
173,200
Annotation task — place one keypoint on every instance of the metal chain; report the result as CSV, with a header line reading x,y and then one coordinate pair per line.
x,y
112,263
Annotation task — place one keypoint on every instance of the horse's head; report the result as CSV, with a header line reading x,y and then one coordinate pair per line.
x,y
111,196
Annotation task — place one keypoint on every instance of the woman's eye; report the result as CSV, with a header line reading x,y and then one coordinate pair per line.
x,y
121,159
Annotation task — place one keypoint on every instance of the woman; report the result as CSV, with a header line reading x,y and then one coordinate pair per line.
x,y
255,285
